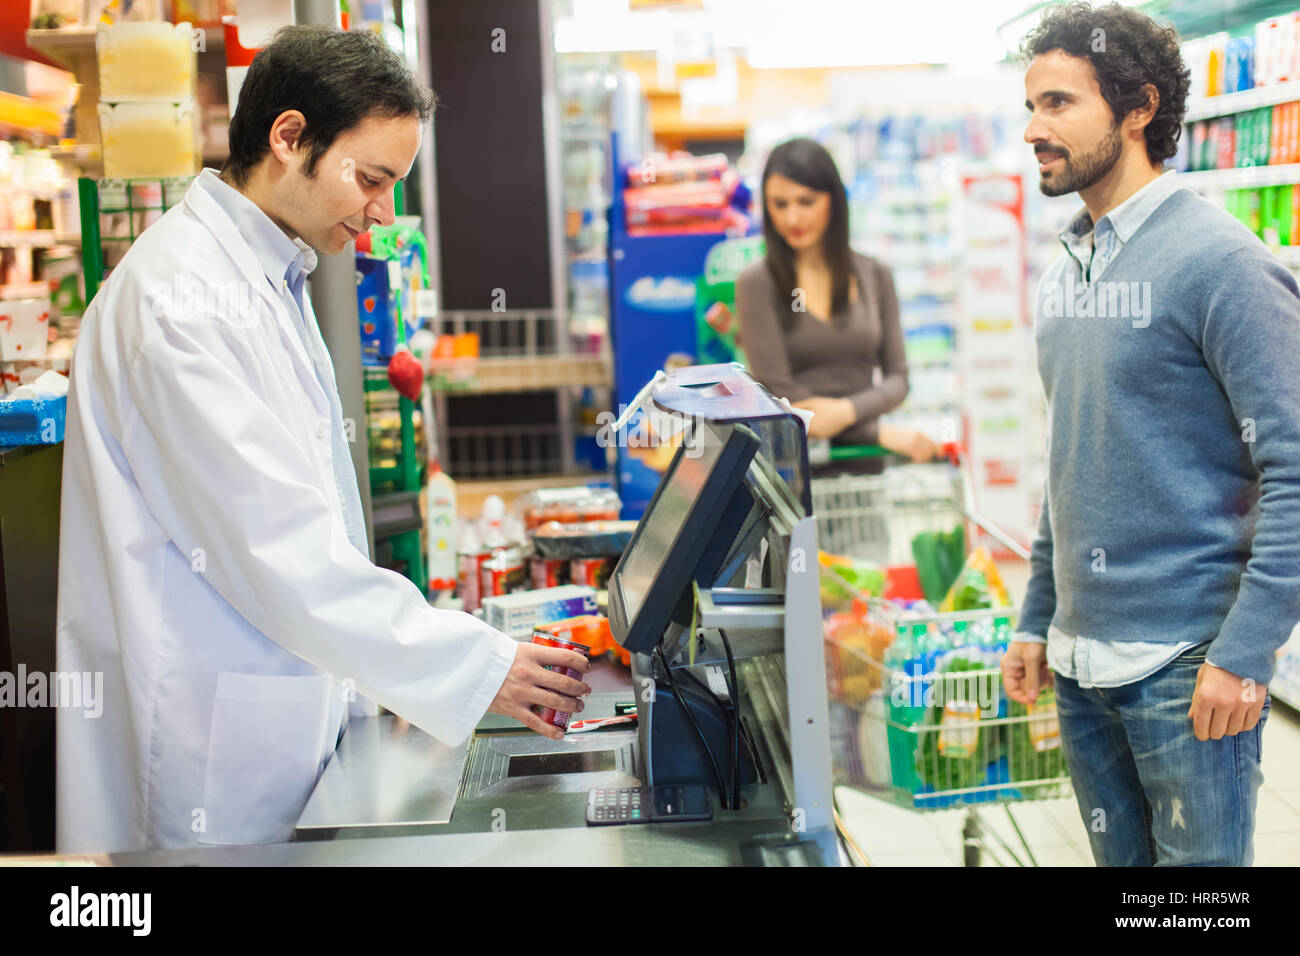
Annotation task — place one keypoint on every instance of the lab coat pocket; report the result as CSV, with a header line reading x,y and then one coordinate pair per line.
x,y
264,753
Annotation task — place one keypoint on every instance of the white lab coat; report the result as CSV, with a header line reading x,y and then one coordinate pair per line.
x,y
205,569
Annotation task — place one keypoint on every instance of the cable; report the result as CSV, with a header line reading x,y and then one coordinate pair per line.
x,y
731,714
734,688
672,682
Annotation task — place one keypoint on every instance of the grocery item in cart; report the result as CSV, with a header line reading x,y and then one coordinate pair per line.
x,y
978,585
859,575
939,557
1035,739
955,767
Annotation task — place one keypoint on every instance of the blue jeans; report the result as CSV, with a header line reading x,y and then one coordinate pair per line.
x,y
1150,793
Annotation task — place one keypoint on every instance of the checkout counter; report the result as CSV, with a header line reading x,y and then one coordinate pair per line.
x,y
717,599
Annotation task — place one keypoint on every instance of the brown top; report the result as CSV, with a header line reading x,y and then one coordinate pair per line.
x,y
835,359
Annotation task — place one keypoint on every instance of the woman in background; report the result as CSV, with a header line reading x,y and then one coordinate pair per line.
x,y
816,318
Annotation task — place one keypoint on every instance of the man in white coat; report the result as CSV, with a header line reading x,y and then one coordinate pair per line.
x,y
213,561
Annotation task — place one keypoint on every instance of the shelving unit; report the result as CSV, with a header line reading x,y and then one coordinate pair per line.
x,y
1242,177
1210,107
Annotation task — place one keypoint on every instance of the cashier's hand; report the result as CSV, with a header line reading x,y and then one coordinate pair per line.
x,y
1025,671
1224,704
830,416
529,683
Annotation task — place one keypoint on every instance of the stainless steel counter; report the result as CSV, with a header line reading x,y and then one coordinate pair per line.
x,y
394,796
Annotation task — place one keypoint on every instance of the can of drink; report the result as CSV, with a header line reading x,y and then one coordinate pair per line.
x,y
593,572
549,572
502,573
559,718
469,578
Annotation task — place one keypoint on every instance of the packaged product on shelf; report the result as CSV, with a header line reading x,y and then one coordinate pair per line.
x,y
502,572
1239,64
588,539
1295,214
1226,143
675,168
1215,63
440,526
149,140
592,572
383,293
146,61
518,614
569,506
24,329
470,555
548,572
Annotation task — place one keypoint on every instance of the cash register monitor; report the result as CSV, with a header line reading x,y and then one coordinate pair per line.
x,y
685,534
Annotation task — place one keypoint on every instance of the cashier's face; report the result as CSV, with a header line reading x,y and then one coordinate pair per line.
x,y
351,188
1076,138
800,215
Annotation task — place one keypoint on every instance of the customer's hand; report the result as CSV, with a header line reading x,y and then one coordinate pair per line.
x,y
909,443
1025,671
830,416
530,683
1224,704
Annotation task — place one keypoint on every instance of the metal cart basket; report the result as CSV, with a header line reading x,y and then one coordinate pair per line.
x,y
919,715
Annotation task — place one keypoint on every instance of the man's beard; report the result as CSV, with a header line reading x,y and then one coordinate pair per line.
x,y
1088,169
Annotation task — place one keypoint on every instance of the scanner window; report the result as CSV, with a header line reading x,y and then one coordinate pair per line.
x,y
585,761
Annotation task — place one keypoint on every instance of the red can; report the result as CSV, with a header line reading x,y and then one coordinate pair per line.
x,y
593,572
559,718
469,582
549,572
502,573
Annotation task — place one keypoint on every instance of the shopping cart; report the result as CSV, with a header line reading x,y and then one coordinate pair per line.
x,y
919,715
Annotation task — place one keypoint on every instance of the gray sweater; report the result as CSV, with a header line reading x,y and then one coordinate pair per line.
x,y
835,359
1172,507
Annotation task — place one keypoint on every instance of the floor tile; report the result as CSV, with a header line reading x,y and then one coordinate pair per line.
x,y
1274,814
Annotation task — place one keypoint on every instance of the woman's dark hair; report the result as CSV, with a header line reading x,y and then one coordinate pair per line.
x,y
1127,50
810,165
335,78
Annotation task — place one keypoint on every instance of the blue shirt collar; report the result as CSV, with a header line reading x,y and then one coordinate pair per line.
x,y
1126,218
280,257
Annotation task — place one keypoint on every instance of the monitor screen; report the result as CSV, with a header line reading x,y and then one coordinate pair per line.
x,y
684,534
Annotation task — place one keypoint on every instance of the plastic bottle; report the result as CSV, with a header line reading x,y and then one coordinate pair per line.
x,y
440,525
492,523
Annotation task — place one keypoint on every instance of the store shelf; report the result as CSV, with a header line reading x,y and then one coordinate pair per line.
x,y
535,373
28,237
25,290
83,155
471,493
1288,255
63,46
1208,107
1246,177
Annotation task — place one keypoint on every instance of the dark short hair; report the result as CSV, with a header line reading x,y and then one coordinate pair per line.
x,y
335,78
1133,51
808,163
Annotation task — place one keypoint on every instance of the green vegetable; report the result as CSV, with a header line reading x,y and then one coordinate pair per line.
x,y
954,773
1026,763
864,577
972,591
939,557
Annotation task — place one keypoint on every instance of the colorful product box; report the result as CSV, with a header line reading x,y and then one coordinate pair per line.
x,y
517,614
